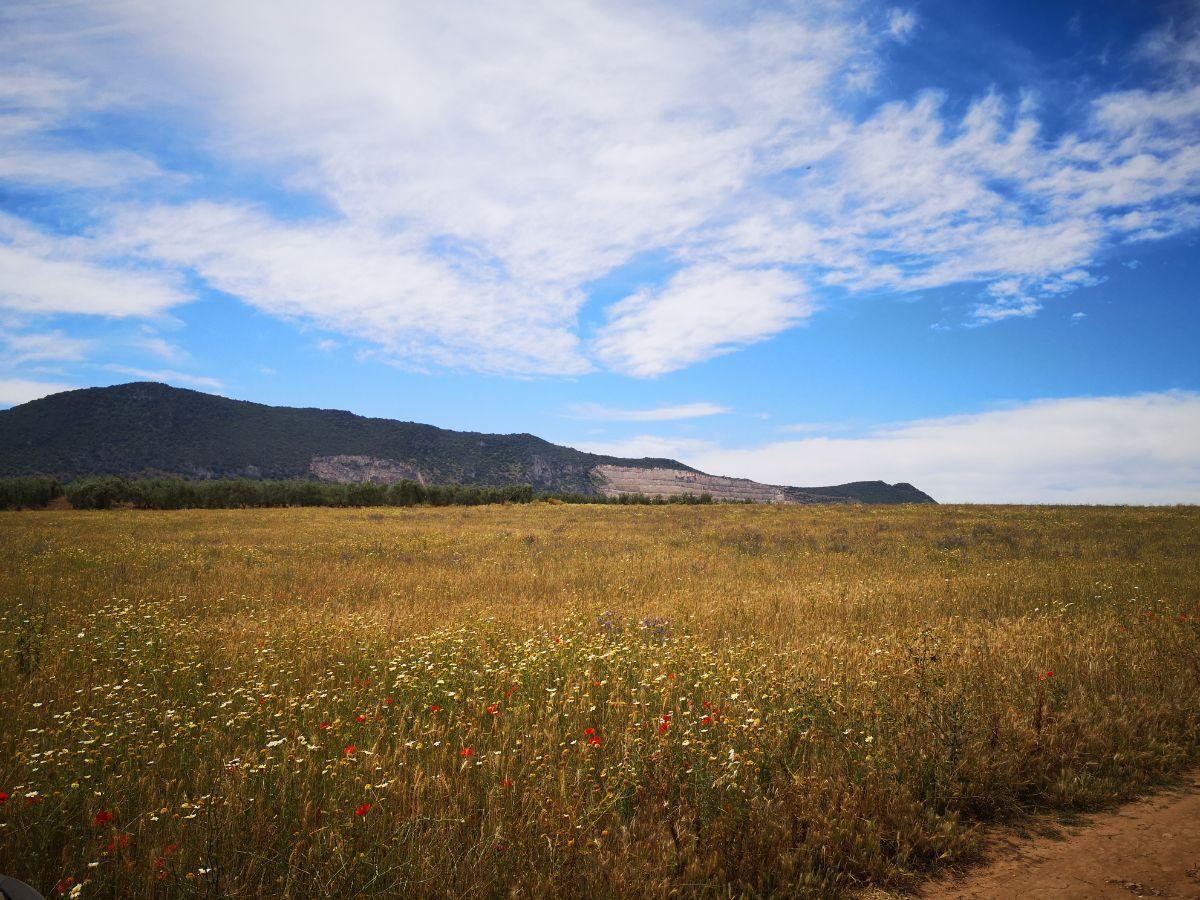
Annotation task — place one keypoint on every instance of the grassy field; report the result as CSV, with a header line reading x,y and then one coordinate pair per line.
x,y
574,700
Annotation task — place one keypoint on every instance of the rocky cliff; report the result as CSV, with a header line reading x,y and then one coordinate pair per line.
x,y
613,481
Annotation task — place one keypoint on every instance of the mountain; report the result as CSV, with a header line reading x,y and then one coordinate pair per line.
x,y
150,429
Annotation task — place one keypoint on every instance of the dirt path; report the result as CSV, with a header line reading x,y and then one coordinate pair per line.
x,y
1148,848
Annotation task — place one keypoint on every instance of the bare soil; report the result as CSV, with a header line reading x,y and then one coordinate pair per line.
x,y
1148,848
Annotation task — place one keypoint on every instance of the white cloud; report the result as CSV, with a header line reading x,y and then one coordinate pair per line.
x,y
166,375
20,390
355,280
1136,449
809,427
908,200
157,346
35,105
24,347
483,163
552,140
901,24
35,168
701,312
45,274
1176,43
658,414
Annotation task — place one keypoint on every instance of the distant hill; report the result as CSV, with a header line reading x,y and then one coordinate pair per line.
x,y
150,429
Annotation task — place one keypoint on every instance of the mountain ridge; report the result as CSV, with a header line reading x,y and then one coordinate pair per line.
x,y
151,429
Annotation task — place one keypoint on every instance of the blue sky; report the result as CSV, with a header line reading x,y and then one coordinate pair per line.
x,y
951,243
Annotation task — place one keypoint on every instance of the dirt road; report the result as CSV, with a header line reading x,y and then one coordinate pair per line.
x,y
1148,848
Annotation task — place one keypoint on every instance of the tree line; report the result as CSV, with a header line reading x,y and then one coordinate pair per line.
x,y
110,491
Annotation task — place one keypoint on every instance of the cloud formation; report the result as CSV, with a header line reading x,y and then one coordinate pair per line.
x,y
21,390
169,376
901,23
19,347
1137,449
603,413
477,166
419,307
45,274
703,311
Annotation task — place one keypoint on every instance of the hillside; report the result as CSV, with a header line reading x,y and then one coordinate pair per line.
x,y
149,429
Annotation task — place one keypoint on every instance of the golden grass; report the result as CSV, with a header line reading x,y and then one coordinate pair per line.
x,y
569,700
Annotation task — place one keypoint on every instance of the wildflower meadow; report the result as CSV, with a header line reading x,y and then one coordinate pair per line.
x,y
574,700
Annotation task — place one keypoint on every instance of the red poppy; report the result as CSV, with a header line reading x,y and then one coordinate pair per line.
x,y
507,782
3,796
467,751
1047,674
434,708
589,731
64,885
160,861
102,818
360,718
388,701
348,750
363,810
494,709
323,726
707,720
594,741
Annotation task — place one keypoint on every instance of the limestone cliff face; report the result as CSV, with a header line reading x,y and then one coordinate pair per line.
x,y
363,470
612,481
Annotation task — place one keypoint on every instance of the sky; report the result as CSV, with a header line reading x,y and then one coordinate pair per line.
x,y
949,242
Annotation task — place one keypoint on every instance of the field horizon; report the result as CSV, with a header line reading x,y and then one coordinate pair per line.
x,y
573,699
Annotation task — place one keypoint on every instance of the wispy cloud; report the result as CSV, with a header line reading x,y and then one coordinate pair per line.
x,y
19,347
21,390
901,23
348,278
1134,449
657,414
482,165
166,375
35,106
157,346
810,427
45,274
703,311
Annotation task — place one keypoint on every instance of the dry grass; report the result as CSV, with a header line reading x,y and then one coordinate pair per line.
x,y
564,700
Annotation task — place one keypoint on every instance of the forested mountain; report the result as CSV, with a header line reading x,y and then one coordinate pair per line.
x,y
150,429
